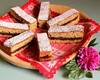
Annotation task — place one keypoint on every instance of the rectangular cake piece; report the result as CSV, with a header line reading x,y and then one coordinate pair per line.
x,y
43,13
45,50
12,28
66,34
22,16
69,17
17,42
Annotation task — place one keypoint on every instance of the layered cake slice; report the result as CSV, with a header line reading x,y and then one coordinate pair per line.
x,y
45,50
43,13
22,16
70,17
17,42
66,34
12,28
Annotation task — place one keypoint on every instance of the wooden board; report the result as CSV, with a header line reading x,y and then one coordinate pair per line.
x,y
14,60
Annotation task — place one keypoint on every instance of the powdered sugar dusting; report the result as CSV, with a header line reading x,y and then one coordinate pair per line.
x,y
43,42
66,28
62,16
23,14
14,40
44,11
13,25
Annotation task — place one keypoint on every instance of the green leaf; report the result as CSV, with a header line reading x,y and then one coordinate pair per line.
x,y
70,65
81,74
73,72
66,74
98,68
92,42
89,75
77,74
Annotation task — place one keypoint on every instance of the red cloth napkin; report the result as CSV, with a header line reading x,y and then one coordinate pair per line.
x,y
62,53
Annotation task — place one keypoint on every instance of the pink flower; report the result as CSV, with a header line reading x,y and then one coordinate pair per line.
x,y
88,58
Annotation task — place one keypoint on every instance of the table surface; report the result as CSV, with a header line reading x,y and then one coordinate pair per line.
x,y
11,72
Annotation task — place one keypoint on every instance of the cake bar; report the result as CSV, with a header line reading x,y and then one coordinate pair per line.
x,y
66,34
43,13
70,17
45,50
16,42
12,28
22,16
